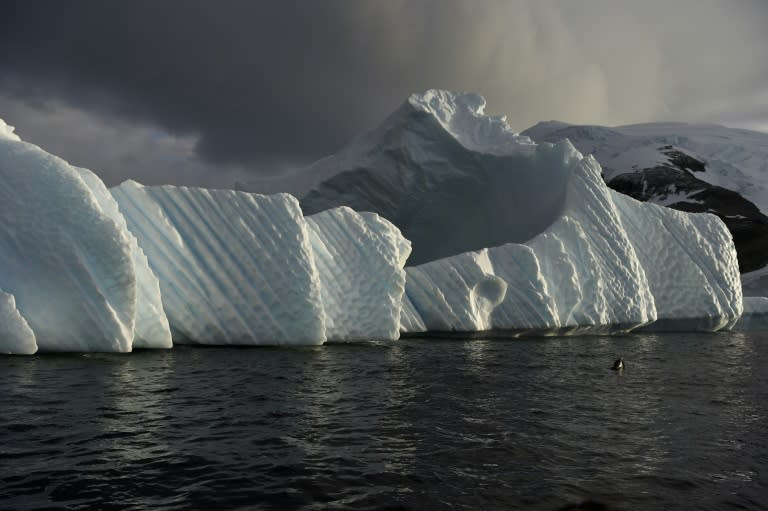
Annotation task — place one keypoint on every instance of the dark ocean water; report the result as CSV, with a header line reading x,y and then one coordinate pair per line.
x,y
415,424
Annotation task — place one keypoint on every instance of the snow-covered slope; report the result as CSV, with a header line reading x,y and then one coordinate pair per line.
x,y
566,247
689,167
735,159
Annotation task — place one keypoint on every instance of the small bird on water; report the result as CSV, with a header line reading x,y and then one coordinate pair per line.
x,y
618,364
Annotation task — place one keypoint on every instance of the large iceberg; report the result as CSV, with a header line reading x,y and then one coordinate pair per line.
x,y
486,209
507,236
85,268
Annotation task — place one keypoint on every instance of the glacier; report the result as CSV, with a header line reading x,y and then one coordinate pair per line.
x,y
484,206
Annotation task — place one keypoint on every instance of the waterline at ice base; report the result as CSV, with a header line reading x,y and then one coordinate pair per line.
x,y
442,219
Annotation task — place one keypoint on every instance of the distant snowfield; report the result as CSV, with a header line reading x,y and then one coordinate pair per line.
x,y
737,159
510,238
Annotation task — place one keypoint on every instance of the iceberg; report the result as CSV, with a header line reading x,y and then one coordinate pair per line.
x,y
66,263
85,268
504,236
486,208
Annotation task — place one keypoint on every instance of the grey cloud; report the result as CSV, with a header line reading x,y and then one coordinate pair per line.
x,y
271,84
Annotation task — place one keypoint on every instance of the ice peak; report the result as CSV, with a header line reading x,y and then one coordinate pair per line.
x,y
462,115
7,132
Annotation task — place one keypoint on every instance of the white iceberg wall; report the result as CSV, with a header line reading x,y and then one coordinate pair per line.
x,y
234,267
66,263
151,327
16,338
360,259
691,264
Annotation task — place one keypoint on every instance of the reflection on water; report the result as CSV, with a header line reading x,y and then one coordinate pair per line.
x,y
417,424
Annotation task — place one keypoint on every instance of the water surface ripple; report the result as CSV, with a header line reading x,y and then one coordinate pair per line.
x,y
415,424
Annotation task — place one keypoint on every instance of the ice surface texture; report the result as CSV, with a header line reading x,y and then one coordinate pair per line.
x,y
566,253
234,268
360,259
240,268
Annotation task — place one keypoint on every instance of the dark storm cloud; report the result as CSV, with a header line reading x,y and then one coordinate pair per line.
x,y
269,83
255,82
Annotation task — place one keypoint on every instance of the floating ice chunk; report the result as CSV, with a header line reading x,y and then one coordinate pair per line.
x,y
151,329
360,259
755,316
66,263
234,268
16,338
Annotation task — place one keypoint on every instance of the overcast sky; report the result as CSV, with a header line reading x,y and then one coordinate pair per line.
x,y
209,92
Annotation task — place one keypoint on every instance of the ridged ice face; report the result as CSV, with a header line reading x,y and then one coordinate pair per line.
x,y
360,259
234,268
